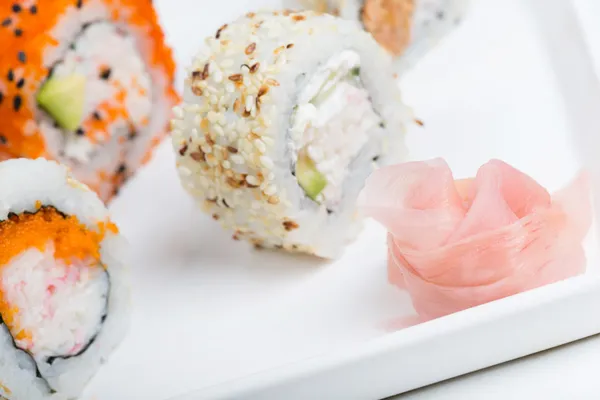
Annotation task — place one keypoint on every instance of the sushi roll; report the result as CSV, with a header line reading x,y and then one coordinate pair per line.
x,y
284,116
88,83
64,301
408,29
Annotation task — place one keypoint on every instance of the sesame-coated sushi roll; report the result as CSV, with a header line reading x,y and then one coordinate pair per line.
x,y
284,116
408,29
64,302
86,82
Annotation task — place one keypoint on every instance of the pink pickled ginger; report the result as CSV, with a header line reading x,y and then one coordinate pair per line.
x,y
455,244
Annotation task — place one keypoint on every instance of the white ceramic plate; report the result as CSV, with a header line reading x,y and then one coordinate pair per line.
x,y
217,319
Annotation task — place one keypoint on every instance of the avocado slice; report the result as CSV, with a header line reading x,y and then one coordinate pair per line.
x,y
309,178
62,98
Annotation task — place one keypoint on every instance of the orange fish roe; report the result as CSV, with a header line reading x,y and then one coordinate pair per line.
x,y
28,38
72,240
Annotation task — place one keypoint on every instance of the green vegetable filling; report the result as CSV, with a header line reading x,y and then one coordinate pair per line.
x,y
309,178
62,98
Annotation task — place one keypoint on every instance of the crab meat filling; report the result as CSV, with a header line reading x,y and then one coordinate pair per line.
x,y
53,288
332,121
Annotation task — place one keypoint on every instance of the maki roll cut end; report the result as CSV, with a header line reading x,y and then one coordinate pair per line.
x,y
285,114
87,83
64,301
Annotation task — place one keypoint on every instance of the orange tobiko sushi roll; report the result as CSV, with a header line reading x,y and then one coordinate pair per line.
x,y
88,83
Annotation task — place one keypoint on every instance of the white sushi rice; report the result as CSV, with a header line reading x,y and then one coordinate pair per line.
x,y
87,56
32,374
237,139
432,20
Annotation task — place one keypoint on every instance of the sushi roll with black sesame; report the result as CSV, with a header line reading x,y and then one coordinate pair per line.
x,y
284,116
408,29
86,82
64,302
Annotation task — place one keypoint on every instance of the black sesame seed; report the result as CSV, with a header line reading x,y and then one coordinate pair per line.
x,y
21,56
381,125
293,173
72,46
17,101
3,139
121,169
33,9
132,134
439,15
16,8
329,211
96,116
376,158
20,83
18,32
56,125
6,22
105,74
79,132
1,97
79,3
11,75
85,26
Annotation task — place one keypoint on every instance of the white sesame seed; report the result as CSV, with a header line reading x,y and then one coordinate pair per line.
x,y
195,134
271,190
249,103
268,141
260,145
247,146
217,76
237,159
218,130
256,205
251,179
226,164
222,119
271,176
206,148
229,87
212,116
266,162
214,99
212,90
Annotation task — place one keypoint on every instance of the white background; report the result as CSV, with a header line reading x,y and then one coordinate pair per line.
x,y
208,310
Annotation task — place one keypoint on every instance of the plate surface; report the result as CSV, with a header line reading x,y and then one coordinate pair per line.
x,y
208,310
